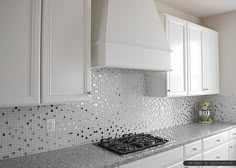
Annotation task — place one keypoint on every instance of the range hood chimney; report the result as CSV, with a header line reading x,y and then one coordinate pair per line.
x,y
128,34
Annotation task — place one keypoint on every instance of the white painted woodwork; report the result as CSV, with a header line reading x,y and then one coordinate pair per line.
x,y
192,149
216,147
232,150
194,61
218,153
164,159
210,62
175,29
66,51
20,52
195,55
215,140
128,34
232,133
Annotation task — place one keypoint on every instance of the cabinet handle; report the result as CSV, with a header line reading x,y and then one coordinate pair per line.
x,y
89,93
234,133
195,149
168,90
205,89
217,157
231,147
217,140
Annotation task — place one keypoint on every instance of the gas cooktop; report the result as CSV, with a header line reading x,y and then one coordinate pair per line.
x,y
130,143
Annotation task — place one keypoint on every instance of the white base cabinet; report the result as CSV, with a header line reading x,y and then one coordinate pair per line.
x,y
221,146
164,159
218,153
232,150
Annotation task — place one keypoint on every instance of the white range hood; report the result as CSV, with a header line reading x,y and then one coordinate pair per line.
x,y
128,34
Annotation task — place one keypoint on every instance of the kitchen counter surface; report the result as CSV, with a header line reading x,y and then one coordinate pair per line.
x,y
91,156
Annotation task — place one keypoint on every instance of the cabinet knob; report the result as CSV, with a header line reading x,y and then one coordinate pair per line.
x,y
234,133
195,149
231,147
89,93
217,157
168,90
217,140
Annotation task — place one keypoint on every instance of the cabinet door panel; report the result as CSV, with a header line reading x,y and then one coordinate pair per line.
x,y
66,50
176,34
195,59
19,52
210,62
232,150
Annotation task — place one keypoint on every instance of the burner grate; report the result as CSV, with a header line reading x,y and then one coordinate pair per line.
x,y
130,143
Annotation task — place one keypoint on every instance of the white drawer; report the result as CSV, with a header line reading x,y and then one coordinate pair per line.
x,y
158,161
219,153
232,133
215,140
178,165
192,149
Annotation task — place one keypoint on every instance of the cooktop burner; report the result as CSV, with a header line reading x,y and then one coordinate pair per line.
x,y
130,143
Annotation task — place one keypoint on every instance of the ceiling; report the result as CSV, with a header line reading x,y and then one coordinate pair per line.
x,y
202,8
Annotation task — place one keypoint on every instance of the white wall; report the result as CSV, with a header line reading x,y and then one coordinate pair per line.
x,y
162,8
226,25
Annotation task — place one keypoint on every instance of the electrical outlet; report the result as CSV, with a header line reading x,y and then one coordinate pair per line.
x,y
51,125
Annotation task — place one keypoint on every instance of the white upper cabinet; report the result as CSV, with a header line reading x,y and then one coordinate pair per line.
x,y
61,73
176,34
66,51
20,52
195,59
210,62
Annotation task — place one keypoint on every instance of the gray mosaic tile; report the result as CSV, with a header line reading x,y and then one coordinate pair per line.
x,y
118,106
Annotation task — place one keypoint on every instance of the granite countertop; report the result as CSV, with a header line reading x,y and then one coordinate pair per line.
x,y
91,156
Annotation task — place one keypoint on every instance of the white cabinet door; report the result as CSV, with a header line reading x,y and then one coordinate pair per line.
x,y
66,50
210,62
161,160
219,153
195,42
19,52
176,34
232,150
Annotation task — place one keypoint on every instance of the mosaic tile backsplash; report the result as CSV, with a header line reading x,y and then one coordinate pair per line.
x,y
223,107
118,106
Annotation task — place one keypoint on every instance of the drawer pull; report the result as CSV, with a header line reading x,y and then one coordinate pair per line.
x,y
217,157
217,140
234,133
195,149
231,147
